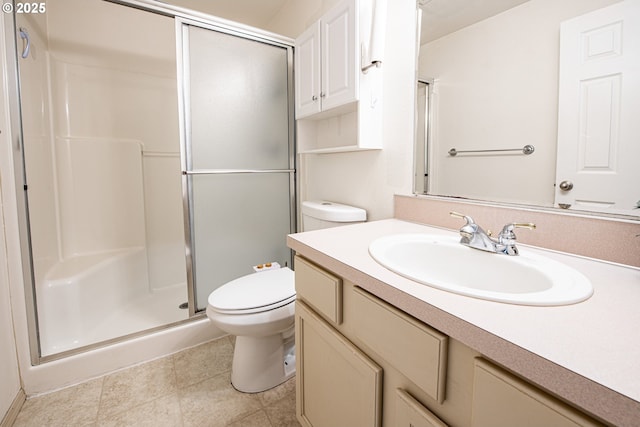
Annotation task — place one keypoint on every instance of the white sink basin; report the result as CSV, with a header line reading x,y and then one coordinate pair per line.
x,y
442,262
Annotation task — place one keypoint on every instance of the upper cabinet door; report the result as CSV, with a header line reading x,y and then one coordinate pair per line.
x,y
327,61
307,72
339,55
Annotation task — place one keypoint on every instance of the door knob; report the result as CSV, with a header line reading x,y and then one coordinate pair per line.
x,y
566,185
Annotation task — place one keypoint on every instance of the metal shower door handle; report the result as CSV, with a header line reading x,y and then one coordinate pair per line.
x,y
24,35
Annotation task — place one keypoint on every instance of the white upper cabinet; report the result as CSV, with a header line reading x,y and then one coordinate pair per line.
x,y
338,105
327,63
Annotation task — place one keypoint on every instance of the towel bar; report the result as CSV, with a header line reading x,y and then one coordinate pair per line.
x,y
527,149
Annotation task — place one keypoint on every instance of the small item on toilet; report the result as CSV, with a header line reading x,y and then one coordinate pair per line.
x,y
266,266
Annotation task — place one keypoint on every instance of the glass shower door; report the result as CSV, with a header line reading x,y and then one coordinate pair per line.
x,y
237,155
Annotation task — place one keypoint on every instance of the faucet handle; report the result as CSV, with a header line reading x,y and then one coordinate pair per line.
x,y
468,230
462,216
507,231
508,238
510,227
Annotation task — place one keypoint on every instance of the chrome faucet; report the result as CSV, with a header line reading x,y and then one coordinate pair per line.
x,y
474,236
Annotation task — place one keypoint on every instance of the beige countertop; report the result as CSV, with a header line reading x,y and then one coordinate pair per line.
x,y
586,353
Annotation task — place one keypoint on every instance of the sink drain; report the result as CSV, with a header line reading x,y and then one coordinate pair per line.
x,y
184,306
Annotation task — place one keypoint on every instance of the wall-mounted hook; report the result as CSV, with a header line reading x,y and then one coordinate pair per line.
x,y
24,35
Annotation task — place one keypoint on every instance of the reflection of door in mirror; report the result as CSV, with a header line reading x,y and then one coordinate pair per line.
x,y
422,132
598,126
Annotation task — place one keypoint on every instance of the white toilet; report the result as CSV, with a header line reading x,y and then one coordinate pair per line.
x,y
258,309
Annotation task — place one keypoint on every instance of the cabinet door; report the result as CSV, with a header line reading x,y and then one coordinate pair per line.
x,y
340,58
337,384
503,400
410,413
307,72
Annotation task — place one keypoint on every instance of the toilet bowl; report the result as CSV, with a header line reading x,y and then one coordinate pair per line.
x,y
259,310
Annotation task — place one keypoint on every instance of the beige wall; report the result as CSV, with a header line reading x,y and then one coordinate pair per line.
x,y
497,87
297,15
291,19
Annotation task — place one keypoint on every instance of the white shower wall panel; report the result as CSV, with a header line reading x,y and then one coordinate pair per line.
x,y
109,35
164,219
110,101
101,194
113,96
79,294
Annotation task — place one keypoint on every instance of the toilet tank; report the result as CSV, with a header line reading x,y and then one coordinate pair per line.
x,y
322,214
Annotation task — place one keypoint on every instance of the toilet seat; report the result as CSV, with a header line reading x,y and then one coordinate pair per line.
x,y
254,293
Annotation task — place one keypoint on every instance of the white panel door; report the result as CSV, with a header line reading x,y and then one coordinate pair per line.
x,y
599,101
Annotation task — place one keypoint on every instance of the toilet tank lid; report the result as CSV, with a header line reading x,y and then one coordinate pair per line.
x,y
335,212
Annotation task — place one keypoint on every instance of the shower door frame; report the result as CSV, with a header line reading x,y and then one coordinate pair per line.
x,y
10,45
21,187
182,56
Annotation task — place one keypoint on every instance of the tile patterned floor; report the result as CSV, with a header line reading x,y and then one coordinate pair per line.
x,y
190,388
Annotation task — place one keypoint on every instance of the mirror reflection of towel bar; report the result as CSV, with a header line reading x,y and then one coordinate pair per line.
x,y
527,149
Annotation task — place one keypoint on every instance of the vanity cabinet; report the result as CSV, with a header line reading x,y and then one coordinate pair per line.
x,y
363,362
325,62
345,361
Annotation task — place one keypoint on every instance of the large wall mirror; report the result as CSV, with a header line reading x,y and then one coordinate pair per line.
x,y
540,100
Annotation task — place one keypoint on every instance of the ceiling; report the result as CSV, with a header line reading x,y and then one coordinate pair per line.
x,y
441,17
256,13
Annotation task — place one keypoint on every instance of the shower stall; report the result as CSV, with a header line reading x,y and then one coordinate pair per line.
x,y
157,158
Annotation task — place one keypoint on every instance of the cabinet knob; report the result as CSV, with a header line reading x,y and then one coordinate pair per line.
x,y
314,98
322,95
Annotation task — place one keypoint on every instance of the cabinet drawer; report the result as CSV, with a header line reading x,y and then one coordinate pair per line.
x,y
411,413
503,400
320,289
418,351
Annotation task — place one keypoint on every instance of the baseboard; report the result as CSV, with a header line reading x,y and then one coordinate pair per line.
x,y
14,409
